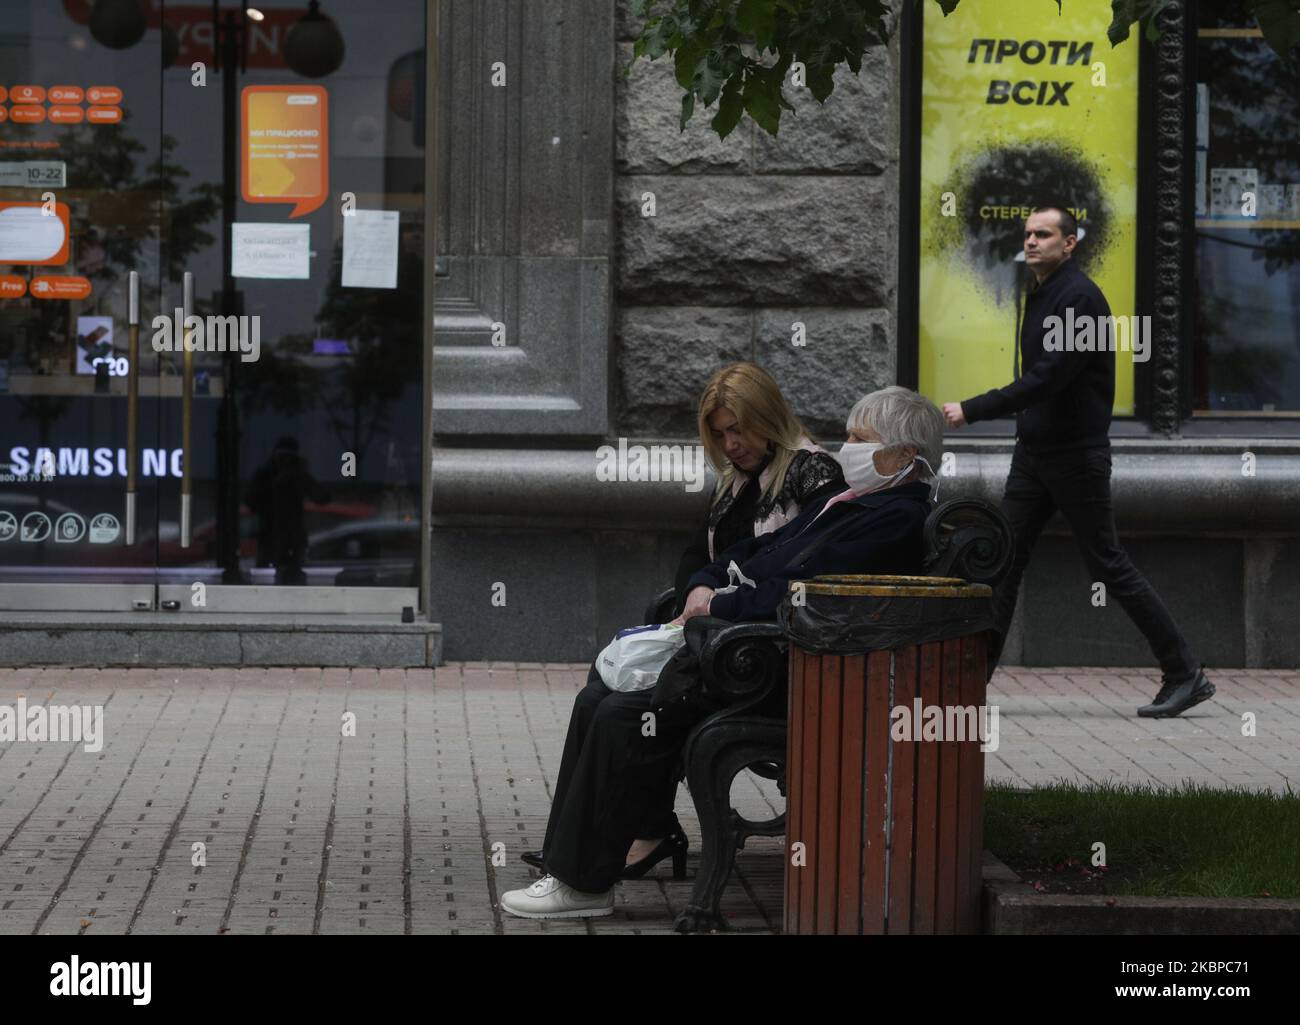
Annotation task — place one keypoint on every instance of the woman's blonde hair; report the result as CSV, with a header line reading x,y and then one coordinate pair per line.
x,y
750,394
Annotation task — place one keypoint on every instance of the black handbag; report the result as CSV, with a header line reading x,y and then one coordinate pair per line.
x,y
680,683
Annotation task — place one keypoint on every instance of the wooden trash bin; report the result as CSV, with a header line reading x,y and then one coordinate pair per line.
x,y
884,827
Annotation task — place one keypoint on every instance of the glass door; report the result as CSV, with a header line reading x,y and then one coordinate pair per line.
x,y
296,243
81,187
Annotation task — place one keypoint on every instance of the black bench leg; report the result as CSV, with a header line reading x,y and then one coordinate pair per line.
x,y
715,762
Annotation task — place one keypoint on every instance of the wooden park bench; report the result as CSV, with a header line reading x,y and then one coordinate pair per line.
x,y
744,667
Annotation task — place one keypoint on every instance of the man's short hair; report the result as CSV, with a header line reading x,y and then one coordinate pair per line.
x,y
1068,223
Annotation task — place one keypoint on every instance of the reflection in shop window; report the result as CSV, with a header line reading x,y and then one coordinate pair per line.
x,y
1247,325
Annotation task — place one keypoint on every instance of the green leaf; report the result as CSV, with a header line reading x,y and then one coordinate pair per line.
x,y
757,17
1125,12
730,108
761,103
653,42
709,78
685,60
821,80
1279,20
688,108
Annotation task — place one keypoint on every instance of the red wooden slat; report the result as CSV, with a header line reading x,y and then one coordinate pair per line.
x,y
808,814
828,797
900,844
927,801
852,774
973,692
950,842
879,665
793,783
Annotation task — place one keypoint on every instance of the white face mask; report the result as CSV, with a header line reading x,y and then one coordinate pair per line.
x,y
860,472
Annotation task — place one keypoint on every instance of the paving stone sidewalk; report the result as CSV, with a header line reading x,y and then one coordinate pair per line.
x,y
229,800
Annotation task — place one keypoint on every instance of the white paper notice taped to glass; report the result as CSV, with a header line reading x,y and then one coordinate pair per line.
x,y
370,249
29,235
270,250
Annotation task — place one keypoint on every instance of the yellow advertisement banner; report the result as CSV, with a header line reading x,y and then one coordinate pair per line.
x,y
1019,103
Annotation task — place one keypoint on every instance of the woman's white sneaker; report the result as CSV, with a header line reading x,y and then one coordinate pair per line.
x,y
550,898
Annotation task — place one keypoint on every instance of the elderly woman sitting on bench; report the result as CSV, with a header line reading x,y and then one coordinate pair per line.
x,y
616,784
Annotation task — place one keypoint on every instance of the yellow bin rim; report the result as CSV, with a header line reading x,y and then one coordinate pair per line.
x,y
882,585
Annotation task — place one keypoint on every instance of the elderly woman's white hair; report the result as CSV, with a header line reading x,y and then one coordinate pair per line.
x,y
902,417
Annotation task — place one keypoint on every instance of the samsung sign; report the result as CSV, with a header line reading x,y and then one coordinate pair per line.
x,y
86,462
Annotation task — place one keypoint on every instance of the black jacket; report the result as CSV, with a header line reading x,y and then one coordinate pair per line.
x,y
886,537
1063,399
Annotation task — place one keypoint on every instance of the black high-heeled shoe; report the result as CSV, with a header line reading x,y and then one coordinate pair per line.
x,y
533,858
675,843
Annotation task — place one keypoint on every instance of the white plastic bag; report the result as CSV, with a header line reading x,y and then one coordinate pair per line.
x,y
633,659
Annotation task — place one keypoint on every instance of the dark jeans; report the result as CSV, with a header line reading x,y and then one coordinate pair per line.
x,y
616,784
1078,483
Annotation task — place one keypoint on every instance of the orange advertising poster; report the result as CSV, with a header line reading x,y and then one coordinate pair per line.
x,y
29,235
285,145
60,288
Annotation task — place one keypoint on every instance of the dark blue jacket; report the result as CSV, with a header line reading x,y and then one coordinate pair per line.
x,y
886,537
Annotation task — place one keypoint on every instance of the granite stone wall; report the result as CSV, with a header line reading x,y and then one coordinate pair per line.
x,y
752,234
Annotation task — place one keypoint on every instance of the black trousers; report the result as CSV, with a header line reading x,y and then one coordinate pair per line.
x,y
1078,483
617,783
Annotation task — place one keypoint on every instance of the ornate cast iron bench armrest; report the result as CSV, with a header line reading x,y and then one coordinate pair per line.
x,y
741,663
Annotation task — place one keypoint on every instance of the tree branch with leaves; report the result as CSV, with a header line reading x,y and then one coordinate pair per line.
x,y
737,53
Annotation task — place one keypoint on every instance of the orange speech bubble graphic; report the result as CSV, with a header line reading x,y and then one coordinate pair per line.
x,y
26,94
285,145
105,94
67,115
28,235
60,288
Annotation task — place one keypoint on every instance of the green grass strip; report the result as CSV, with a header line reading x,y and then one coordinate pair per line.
x,y
1186,841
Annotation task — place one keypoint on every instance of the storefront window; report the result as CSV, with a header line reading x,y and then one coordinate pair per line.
x,y
269,186
1247,314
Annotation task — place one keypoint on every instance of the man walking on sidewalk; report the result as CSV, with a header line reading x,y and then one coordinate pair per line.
x,y
1062,401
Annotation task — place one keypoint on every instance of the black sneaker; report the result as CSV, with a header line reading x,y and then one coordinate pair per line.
x,y
1176,697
